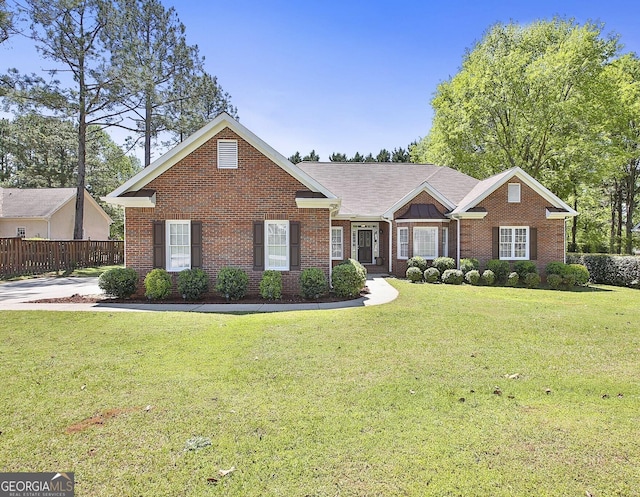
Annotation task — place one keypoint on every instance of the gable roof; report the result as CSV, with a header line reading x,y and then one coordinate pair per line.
x,y
367,192
39,203
34,202
180,151
487,186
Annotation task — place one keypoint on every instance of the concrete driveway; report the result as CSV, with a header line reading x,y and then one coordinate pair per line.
x,y
12,292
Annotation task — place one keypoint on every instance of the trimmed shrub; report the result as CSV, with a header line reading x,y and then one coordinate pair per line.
x,y
414,274
442,264
500,269
232,282
532,280
362,271
488,277
431,275
559,268
119,282
193,283
569,280
618,270
523,268
347,280
472,277
313,283
467,265
580,272
512,279
554,281
452,277
157,284
271,285
419,262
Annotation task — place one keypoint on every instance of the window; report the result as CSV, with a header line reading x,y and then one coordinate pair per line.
x,y
425,242
336,243
403,243
514,242
21,232
277,246
227,154
514,193
178,245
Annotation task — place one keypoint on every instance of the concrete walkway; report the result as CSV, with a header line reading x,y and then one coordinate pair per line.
x,y
14,296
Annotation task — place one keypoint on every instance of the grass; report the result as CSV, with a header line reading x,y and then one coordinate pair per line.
x,y
84,272
398,399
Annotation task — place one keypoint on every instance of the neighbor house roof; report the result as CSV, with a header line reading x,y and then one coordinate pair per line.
x,y
370,189
38,203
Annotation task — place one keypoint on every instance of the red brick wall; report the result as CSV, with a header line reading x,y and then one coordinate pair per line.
x,y
227,202
476,234
400,265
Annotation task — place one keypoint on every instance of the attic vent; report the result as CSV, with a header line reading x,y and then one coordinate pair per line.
x,y
227,154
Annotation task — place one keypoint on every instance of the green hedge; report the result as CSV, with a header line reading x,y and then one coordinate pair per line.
x,y
607,269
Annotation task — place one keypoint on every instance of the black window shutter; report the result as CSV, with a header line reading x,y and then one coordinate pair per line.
x,y
533,244
158,244
196,244
258,245
294,245
495,243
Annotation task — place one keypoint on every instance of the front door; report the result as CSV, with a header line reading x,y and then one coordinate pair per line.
x,y
365,246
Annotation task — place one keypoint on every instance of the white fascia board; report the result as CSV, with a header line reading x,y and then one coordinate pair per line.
x,y
356,218
199,138
138,202
318,203
560,215
469,215
424,187
525,178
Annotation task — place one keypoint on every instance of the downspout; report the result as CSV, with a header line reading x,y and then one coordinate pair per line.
x,y
458,243
390,245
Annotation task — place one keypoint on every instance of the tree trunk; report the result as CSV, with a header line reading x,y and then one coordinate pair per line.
x,y
619,221
148,111
612,205
78,227
574,226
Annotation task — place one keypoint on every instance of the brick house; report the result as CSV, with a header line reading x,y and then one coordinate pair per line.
x,y
225,197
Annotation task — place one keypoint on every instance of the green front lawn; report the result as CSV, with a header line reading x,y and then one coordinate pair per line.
x,y
448,390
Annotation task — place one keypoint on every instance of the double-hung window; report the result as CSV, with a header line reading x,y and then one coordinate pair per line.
x,y
514,242
425,242
178,245
21,232
277,245
337,243
403,243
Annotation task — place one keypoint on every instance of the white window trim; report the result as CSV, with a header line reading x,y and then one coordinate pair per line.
x,y
227,154
399,247
341,256
168,224
431,228
513,243
445,241
286,266
514,194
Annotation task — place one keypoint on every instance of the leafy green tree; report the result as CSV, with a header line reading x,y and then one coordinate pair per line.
x,y
312,157
71,34
6,21
383,156
195,102
400,155
523,97
295,158
357,158
337,157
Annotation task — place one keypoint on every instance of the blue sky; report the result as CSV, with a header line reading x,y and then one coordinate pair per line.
x,y
347,76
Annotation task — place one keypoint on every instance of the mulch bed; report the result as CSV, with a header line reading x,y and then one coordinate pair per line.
x,y
208,299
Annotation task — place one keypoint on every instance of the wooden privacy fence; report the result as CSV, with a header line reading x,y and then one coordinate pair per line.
x,y
19,256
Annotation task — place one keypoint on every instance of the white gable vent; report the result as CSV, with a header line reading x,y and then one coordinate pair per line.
x,y
227,154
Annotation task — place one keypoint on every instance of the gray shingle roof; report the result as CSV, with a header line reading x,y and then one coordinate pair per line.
x,y
33,202
370,189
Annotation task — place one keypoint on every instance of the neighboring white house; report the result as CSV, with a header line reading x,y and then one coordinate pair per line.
x,y
49,213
